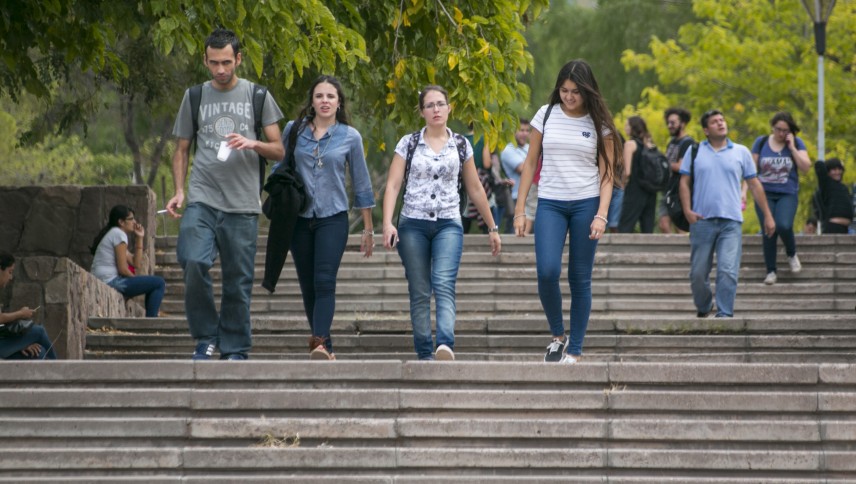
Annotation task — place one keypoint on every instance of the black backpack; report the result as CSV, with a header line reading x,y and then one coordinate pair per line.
x,y
259,95
673,196
652,172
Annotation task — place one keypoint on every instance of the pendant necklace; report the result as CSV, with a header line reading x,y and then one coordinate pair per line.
x,y
319,154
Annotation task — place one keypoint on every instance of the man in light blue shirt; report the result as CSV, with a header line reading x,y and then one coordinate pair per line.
x,y
715,214
513,156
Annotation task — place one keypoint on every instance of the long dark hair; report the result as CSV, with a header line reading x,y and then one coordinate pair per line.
x,y
6,260
638,128
787,118
579,72
433,87
117,213
307,113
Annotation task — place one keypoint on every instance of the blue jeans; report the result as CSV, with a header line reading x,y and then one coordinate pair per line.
x,y
784,209
431,254
725,238
615,203
555,220
36,334
152,286
317,248
206,232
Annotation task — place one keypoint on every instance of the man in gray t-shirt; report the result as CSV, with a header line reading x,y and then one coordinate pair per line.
x,y
223,202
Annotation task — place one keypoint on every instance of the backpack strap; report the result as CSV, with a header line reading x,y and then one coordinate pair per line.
x,y
195,93
412,143
544,126
259,96
461,144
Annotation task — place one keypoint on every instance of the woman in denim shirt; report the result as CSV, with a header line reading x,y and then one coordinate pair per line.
x,y
326,147
430,229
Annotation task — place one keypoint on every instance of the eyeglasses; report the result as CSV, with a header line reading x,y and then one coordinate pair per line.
x,y
781,130
438,105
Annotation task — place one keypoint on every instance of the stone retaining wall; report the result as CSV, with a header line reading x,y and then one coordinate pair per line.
x,y
62,220
49,231
68,296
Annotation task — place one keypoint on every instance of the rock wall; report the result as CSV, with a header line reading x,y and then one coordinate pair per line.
x,y
62,220
49,230
68,296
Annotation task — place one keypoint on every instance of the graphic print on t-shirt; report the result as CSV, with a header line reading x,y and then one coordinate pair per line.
x,y
774,169
219,118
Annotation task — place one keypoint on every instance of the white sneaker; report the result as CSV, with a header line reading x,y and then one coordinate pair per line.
x,y
444,353
770,279
795,264
571,359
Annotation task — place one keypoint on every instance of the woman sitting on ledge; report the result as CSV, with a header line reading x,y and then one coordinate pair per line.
x,y
34,344
115,264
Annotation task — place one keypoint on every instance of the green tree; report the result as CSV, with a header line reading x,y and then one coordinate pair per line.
x,y
384,51
752,58
599,34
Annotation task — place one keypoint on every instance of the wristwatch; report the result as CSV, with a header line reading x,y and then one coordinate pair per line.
x,y
495,228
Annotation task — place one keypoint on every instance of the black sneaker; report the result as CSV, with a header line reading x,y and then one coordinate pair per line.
x,y
204,351
555,350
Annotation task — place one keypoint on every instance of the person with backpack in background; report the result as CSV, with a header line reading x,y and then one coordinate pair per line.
x,y
575,136
223,204
640,200
326,149
710,196
779,159
484,162
676,122
512,157
432,165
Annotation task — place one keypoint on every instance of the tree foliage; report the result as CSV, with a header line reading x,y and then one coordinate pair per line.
x,y
752,58
599,35
384,52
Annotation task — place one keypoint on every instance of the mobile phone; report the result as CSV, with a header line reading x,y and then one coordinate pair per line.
x,y
393,240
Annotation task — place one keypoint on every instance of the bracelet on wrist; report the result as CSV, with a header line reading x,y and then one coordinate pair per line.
x,y
368,232
602,218
518,216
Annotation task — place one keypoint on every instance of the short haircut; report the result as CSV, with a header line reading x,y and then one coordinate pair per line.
x,y
708,114
682,113
523,121
220,38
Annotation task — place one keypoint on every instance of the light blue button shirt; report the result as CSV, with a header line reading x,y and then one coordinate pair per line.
x,y
321,165
716,182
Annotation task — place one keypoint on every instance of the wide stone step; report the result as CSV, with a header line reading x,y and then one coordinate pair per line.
x,y
424,422
611,305
534,323
504,287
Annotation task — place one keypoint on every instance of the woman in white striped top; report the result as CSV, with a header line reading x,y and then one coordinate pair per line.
x,y
576,135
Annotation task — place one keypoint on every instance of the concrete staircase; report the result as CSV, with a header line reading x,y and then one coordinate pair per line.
x,y
413,422
642,308
661,396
